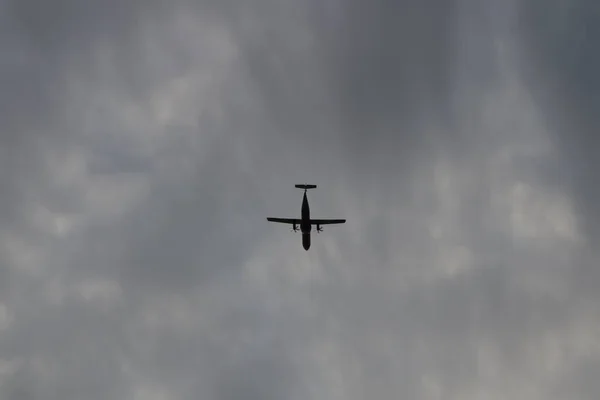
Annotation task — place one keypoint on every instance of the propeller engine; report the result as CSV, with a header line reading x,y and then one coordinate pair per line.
x,y
294,228
319,228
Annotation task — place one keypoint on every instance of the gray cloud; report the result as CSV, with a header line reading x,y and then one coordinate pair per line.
x,y
560,43
558,48
143,146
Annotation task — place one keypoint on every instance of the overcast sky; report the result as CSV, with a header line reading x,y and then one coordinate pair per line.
x,y
143,143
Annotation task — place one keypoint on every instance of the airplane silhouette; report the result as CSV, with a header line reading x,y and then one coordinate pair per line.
x,y
305,222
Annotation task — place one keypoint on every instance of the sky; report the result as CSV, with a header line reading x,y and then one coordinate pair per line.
x,y
143,144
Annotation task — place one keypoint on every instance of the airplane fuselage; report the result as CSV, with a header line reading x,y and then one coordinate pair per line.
x,y
305,225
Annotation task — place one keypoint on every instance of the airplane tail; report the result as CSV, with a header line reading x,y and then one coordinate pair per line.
x,y
306,186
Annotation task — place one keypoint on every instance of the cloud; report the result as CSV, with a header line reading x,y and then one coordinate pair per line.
x,y
144,145
559,40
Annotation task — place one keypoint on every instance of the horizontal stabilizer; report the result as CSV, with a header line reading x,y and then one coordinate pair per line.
x,y
306,186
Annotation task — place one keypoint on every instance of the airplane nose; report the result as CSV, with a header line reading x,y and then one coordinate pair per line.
x,y
306,241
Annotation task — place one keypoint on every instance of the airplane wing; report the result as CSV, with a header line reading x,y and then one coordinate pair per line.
x,y
290,221
326,221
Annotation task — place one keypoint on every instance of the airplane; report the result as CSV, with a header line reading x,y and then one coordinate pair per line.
x,y
306,222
